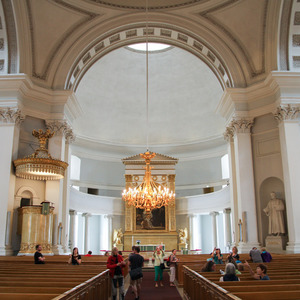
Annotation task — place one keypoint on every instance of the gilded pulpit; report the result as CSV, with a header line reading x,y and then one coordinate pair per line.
x,y
159,226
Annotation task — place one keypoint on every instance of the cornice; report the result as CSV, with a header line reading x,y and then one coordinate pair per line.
x,y
20,89
261,98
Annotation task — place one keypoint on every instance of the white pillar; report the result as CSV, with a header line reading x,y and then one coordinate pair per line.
x,y
214,215
191,232
227,228
110,232
245,181
58,191
72,234
10,118
86,232
289,133
228,135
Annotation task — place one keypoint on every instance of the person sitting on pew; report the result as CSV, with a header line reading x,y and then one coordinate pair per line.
x,y
38,256
234,256
265,255
261,271
210,266
217,256
75,258
230,274
89,253
255,255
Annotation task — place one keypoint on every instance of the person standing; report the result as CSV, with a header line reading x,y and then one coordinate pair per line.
x,y
75,258
173,261
136,262
39,258
115,264
158,261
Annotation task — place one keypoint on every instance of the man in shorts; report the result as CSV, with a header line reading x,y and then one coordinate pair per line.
x,y
136,262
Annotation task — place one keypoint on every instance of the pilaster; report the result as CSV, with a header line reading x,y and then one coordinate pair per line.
x,y
10,119
289,134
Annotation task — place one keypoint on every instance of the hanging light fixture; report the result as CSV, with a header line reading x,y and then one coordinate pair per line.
x,y
40,165
148,195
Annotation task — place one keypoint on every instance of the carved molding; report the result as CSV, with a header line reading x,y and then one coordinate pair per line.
x,y
240,125
286,112
61,127
11,115
228,134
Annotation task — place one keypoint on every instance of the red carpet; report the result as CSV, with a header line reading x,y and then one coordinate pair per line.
x,y
149,292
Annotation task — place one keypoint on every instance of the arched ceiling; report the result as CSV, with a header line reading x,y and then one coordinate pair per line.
x,y
183,96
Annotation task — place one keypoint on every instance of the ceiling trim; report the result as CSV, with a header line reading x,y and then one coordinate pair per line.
x,y
157,32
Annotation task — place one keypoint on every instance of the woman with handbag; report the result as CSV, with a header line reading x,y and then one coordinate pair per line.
x,y
158,266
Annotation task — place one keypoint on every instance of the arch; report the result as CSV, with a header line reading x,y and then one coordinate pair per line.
x,y
79,52
162,34
23,189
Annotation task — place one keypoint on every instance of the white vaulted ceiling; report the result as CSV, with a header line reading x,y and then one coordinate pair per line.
x,y
183,96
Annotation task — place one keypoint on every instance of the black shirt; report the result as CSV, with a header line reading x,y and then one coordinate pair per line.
x,y
74,261
136,261
36,258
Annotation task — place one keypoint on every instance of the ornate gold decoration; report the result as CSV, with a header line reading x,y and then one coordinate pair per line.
x,y
40,165
148,195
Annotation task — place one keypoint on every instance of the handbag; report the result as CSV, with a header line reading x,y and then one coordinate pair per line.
x,y
136,273
162,266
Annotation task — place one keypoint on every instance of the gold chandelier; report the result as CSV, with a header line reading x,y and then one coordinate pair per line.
x,y
40,165
148,195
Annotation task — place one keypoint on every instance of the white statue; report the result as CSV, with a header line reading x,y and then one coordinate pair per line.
x,y
118,234
183,233
274,211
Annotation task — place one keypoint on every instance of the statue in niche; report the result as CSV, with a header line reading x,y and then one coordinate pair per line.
x,y
183,234
118,234
274,211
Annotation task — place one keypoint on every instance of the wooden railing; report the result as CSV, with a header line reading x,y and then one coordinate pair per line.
x,y
197,287
96,288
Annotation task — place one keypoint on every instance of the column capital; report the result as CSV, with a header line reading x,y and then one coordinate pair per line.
x,y
11,115
214,213
72,212
61,127
171,177
228,134
240,125
286,112
86,215
227,210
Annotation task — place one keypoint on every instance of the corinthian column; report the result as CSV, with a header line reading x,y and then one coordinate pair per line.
x,y
289,134
228,135
245,180
10,119
58,191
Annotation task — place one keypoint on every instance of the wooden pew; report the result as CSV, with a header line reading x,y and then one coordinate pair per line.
x,y
284,272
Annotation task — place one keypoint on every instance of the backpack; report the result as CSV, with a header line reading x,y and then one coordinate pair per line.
x,y
168,261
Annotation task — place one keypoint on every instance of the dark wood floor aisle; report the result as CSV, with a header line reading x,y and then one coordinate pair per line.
x,y
149,292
